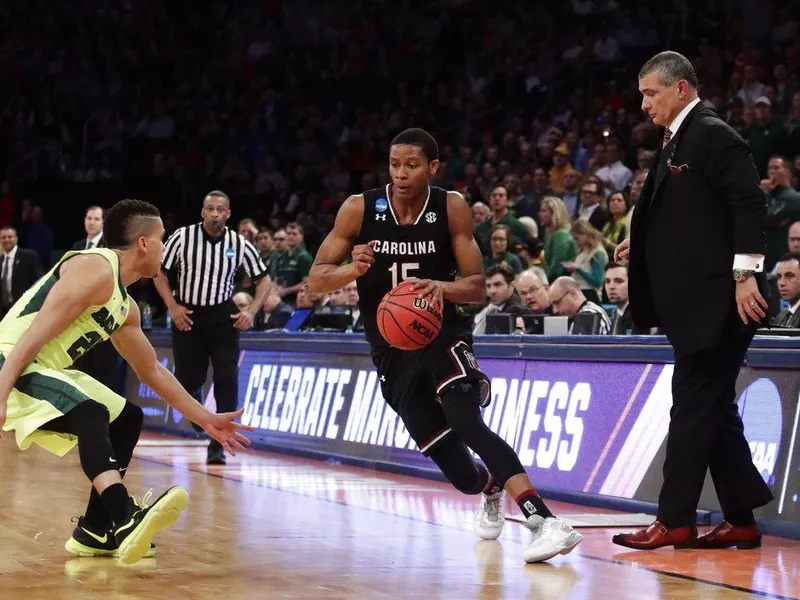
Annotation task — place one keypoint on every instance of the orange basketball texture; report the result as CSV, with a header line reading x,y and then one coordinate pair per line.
x,y
407,322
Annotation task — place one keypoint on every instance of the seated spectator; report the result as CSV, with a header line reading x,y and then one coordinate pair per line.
x,y
498,200
274,313
248,229
307,300
243,301
499,250
789,289
589,266
568,300
615,231
559,247
533,288
531,225
480,213
591,208
502,296
530,254
617,291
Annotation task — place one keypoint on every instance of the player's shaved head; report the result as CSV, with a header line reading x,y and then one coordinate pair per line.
x,y
127,221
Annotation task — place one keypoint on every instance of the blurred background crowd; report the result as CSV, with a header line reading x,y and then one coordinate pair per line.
x,y
289,107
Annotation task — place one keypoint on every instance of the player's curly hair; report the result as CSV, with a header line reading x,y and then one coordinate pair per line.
x,y
126,221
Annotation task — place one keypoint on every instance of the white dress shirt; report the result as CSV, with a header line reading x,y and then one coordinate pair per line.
x,y
745,262
94,240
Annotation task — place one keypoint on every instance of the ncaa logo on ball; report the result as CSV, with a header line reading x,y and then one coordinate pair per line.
x,y
381,205
229,253
428,307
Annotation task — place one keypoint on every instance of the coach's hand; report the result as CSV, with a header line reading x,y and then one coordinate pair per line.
x,y
428,288
363,257
749,301
222,428
243,320
622,251
180,316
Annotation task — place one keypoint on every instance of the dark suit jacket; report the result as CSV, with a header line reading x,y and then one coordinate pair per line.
x,y
27,271
277,318
701,204
81,245
515,306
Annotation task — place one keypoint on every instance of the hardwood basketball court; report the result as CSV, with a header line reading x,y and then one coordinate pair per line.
x,y
268,526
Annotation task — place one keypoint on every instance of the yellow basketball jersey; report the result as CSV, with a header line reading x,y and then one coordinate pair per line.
x,y
94,325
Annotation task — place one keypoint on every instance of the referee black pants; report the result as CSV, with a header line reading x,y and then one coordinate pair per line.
x,y
212,337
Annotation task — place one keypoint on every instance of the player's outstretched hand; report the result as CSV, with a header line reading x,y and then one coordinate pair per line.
x,y
222,428
623,251
429,289
364,256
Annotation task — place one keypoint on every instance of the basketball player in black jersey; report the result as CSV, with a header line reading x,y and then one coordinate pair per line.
x,y
410,230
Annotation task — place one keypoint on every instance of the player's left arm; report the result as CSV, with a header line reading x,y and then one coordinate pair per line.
x,y
135,348
471,286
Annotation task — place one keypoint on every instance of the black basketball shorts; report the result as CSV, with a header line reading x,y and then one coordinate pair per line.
x,y
412,383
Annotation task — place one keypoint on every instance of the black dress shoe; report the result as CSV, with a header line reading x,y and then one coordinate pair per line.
x,y
216,455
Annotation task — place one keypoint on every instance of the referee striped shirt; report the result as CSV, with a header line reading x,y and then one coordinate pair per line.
x,y
605,320
207,266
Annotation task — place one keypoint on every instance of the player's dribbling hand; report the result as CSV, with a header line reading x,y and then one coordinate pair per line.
x,y
222,428
429,289
363,257
623,251
181,319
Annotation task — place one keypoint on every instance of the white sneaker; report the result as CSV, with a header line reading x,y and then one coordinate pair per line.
x,y
491,516
551,537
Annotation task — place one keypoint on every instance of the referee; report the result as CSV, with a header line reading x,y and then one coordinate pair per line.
x,y
206,322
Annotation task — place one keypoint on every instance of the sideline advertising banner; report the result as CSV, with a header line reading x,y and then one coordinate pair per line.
x,y
596,427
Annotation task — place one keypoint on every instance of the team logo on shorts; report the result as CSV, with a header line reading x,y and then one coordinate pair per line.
x,y
381,205
229,253
430,217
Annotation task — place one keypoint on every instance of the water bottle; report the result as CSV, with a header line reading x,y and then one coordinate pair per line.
x,y
147,317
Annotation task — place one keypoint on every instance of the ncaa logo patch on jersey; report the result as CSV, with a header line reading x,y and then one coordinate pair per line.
x,y
229,253
381,205
430,217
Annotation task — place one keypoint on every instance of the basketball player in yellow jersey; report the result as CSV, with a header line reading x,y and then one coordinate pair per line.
x,y
79,303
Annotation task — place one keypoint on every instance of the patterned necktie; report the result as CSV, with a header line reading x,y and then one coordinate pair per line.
x,y
89,245
667,137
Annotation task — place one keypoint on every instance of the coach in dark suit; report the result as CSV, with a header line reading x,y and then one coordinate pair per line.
x,y
696,257
19,269
93,224
100,362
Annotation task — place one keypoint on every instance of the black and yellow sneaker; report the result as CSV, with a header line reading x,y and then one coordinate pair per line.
x,y
133,537
87,541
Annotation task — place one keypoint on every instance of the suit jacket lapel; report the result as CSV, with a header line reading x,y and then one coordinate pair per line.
x,y
666,156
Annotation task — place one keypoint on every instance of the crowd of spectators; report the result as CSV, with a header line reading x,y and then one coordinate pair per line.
x,y
289,107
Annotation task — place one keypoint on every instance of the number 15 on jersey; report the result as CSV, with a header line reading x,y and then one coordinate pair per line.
x,y
402,271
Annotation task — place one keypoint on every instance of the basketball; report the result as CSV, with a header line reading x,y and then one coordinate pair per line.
x,y
407,322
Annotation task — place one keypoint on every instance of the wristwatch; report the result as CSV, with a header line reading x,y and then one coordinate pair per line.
x,y
740,275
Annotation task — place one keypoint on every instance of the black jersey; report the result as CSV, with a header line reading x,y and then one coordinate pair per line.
x,y
423,250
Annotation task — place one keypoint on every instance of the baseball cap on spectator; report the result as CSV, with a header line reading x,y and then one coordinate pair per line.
x,y
763,100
